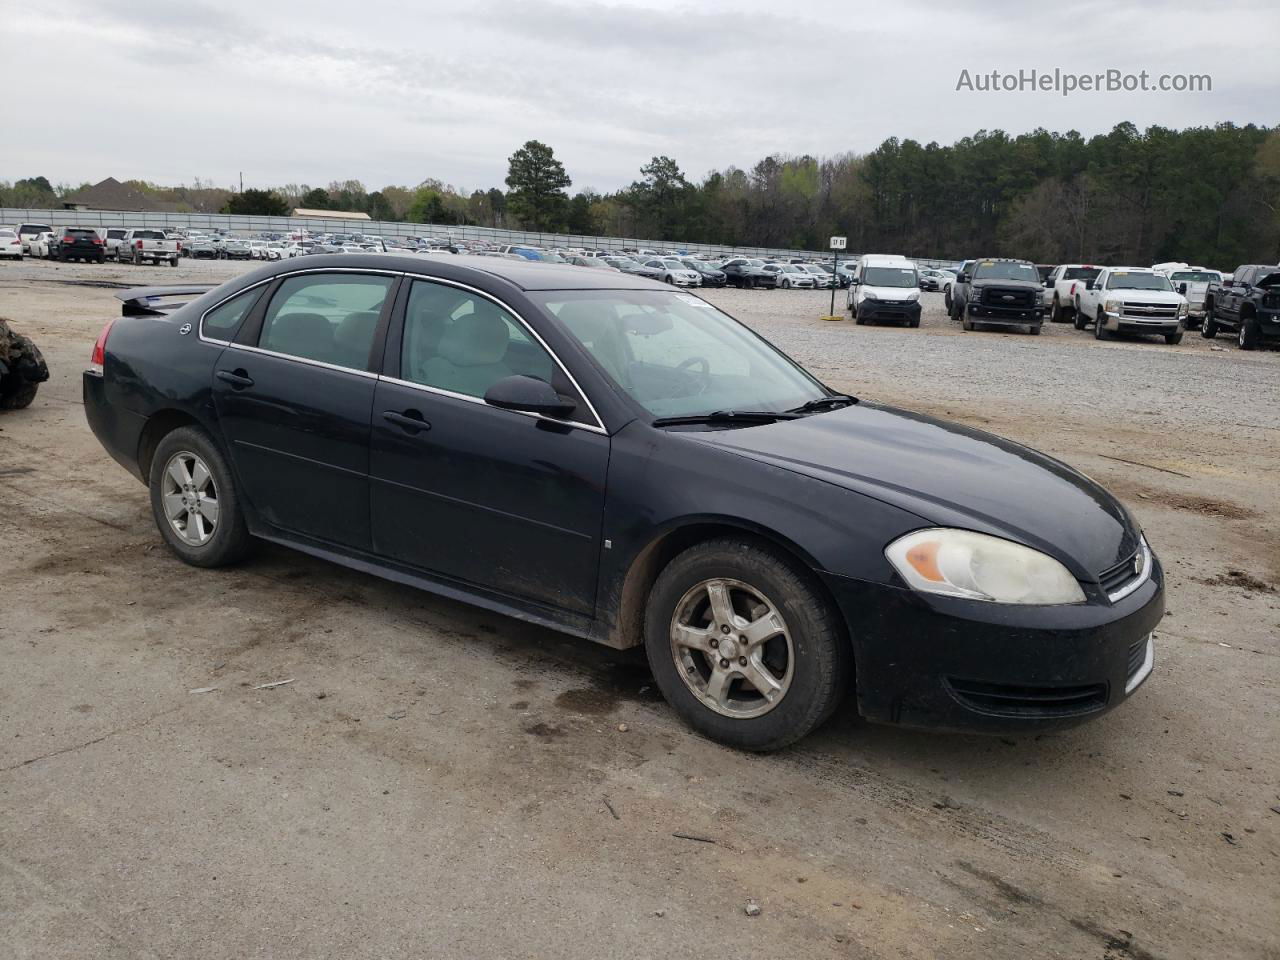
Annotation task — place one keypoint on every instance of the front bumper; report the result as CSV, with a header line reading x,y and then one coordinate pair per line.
x,y
927,661
878,310
1119,323
1010,316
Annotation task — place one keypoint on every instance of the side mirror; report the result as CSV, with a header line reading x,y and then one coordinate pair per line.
x,y
1088,284
1182,289
963,278
1048,282
529,395
854,281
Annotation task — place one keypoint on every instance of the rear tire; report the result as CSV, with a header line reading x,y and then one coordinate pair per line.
x,y
227,539
806,655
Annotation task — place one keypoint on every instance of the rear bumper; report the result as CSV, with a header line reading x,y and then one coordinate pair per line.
x,y
983,667
118,430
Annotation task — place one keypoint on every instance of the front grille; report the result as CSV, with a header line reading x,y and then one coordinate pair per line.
x,y
1011,298
1150,311
1114,578
1008,700
1137,657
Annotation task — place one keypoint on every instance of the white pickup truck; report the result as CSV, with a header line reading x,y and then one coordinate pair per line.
x,y
1197,281
1131,300
148,246
1060,288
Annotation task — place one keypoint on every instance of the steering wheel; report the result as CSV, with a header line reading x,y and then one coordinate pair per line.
x,y
703,376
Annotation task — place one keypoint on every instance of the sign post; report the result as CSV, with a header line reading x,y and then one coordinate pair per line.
x,y
837,244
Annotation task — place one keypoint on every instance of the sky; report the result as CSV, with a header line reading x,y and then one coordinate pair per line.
x,y
394,92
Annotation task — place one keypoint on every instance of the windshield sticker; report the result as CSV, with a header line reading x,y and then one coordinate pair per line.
x,y
693,301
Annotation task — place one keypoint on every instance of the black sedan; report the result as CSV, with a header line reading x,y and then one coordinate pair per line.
x,y
711,277
623,461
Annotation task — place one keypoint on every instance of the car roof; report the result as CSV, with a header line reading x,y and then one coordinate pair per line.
x,y
524,274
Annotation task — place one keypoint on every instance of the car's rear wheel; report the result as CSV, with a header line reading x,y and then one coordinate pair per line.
x,y
194,500
743,646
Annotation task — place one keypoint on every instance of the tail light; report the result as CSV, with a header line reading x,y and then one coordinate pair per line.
x,y
100,350
68,239
179,246
139,244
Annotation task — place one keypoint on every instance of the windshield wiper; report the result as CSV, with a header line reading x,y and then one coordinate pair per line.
x,y
833,402
727,416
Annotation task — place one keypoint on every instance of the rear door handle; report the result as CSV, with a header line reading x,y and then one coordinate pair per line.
x,y
237,378
410,420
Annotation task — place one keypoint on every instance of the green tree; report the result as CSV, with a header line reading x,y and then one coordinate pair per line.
x,y
316,198
538,183
263,203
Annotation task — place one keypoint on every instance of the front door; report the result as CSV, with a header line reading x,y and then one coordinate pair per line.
x,y
294,402
498,499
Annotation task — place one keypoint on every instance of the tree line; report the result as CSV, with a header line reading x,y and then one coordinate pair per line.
x,y
1208,195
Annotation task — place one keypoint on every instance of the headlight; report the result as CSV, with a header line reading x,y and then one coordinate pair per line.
x,y
913,296
960,563
1112,306
1182,309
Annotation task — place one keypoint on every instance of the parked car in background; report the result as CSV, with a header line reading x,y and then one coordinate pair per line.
x,y
633,267
1248,303
791,275
41,246
236,249
111,237
1131,300
1061,286
147,245
1000,293
78,243
933,279
11,243
822,277
578,432
591,263
748,273
885,289
711,277
949,287
1193,283
205,248
27,231
672,271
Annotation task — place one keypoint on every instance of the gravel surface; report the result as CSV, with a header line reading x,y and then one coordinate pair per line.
x,y
440,782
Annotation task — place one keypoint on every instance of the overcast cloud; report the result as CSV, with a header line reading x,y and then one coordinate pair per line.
x,y
394,92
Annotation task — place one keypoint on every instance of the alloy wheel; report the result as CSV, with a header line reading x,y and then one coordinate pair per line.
x,y
732,648
190,498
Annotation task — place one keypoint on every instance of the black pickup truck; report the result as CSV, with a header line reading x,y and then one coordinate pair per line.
x,y
1248,304
999,292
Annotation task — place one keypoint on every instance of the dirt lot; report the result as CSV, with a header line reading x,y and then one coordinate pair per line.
x,y
438,782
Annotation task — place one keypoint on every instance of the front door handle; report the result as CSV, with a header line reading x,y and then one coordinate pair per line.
x,y
411,420
237,378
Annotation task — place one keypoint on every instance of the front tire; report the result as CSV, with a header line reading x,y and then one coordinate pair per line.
x,y
1209,329
1248,336
1099,328
743,646
195,502
1173,339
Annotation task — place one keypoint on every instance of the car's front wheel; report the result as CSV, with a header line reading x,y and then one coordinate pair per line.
x,y
195,502
743,646
1248,336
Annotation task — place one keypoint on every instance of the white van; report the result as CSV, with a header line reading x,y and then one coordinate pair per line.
x,y
885,287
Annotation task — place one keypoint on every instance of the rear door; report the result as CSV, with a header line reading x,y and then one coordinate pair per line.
x,y
498,499
294,394
1239,290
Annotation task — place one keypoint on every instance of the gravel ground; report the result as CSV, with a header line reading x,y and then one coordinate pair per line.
x,y
440,782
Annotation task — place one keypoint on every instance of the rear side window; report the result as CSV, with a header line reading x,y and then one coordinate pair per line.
x,y
222,322
331,318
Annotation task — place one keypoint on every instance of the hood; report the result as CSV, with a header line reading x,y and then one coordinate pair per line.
x,y
1270,280
1012,284
1150,296
949,475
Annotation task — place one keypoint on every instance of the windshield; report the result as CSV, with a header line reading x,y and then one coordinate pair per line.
x,y
1195,276
1138,281
677,355
1005,270
889,277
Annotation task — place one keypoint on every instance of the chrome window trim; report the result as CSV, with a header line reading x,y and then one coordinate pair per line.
x,y
1143,576
441,392
598,426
